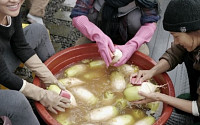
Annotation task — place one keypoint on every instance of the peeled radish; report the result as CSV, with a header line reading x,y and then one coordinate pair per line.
x,y
102,114
148,87
121,120
97,64
70,82
118,82
75,70
84,95
93,75
117,55
149,120
127,69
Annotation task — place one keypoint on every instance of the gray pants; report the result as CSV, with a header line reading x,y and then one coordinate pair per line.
x,y
38,38
13,104
16,107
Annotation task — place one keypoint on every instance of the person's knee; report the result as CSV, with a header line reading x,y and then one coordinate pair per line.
x,y
39,27
133,21
18,102
13,102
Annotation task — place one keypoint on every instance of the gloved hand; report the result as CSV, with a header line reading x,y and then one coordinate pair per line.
x,y
92,32
143,35
49,99
40,69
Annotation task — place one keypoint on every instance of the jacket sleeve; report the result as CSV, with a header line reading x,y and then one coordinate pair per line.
x,y
150,10
174,55
82,7
7,78
18,42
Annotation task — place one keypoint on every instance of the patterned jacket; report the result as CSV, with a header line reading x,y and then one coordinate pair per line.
x,y
150,9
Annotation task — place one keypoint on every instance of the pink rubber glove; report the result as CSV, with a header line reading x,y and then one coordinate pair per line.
x,y
143,35
92,32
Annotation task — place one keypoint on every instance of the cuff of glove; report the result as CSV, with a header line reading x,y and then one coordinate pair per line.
x,y
23,86
195,110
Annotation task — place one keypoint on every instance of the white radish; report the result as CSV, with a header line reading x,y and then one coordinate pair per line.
x,y
149,120
128,69
148,87
102,114
71,82
121,120
117,55
118,82
84,95
93,75
97,64
75,70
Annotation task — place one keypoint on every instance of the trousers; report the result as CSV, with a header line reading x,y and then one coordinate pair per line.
x,y
37,7
16,107
38,38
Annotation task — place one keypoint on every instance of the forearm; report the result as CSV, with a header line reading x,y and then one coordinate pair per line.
x,y
161,67
143,35
87,28
40,69
181,104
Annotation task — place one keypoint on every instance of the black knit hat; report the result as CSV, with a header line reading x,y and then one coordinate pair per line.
x,y
182,16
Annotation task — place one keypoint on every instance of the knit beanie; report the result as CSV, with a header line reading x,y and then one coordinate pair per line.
x,y
182,16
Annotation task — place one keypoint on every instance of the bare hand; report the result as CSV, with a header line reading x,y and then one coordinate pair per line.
x,y
149,97
141,76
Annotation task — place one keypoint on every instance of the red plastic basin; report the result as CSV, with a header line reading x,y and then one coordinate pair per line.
x,y
75,54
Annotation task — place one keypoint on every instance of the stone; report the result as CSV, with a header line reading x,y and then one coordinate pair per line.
x,y
69,3
59,30
63,15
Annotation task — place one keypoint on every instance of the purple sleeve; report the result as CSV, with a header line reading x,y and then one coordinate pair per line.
x,y
82,7
150,10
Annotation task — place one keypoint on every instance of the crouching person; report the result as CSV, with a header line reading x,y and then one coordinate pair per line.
x,y
31,46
